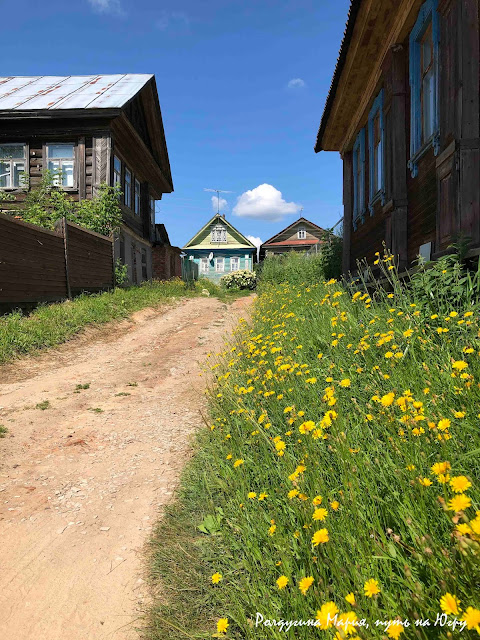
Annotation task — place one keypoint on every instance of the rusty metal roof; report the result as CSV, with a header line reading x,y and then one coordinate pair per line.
x,y
347,36
34,93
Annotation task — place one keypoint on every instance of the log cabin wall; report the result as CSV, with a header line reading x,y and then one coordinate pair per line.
x,y
442,202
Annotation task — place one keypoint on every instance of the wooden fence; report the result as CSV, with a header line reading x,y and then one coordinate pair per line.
x,y
38,265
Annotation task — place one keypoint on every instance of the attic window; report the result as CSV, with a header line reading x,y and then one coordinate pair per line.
x,y
301,234
219,233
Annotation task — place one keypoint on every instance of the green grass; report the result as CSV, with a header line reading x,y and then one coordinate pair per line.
x,y
389,371
3,431
50,325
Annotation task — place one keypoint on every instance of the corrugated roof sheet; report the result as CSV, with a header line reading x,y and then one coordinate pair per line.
x,y
36,93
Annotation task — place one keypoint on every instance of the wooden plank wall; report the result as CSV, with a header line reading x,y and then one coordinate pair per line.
x,y
90,260
33,265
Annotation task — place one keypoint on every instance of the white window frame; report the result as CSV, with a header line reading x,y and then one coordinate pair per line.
x,y
127,190
117,173
204,265
237,262
12,162
302,233
219,233
219,262
61,161
137,201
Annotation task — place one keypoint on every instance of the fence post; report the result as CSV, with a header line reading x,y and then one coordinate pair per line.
x,y
65,247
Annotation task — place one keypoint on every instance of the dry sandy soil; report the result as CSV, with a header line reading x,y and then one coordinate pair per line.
x,y
83,481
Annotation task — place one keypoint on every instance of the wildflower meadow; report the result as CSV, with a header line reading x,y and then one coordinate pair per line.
x,y
338,479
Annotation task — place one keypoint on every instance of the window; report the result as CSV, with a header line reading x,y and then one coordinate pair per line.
x,y
152,211
424,60
219,233
234,264
375,150
302,234
137,198
127,192
219,265
60,158
12,165
204,265
133,255
117,172
359,179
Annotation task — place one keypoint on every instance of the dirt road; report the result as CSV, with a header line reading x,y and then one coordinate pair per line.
x,y
98,433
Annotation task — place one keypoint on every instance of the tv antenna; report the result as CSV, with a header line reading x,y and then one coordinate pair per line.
x,y
218,192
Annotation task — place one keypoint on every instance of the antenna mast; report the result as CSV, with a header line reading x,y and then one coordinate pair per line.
x,y
218,192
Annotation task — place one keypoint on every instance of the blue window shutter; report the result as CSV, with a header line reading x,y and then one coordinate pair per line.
x,y
428,13
359,188
377,107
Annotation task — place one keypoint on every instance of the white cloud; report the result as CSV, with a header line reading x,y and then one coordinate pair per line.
x,y
173,21
107,6
264,203
218,205
296,83
257,242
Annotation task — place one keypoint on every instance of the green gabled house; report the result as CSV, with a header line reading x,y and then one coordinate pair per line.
x,y
218,248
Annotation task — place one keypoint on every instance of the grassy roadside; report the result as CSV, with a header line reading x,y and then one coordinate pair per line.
x,y
50,325
340,473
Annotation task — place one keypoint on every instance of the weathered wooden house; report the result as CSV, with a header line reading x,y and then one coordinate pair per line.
x,y
92,129
302,235
403,111
218,248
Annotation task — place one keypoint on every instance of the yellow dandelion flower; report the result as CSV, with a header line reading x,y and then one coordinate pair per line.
x,y
459,503
216,578
350,598
237,463
450,604
371,588
320,537
459,365
395,629
460,484
334,505
320,514
345,383
464,528
387,399
444,424
252,495
472,618
327,612
222,625
282,582
305,584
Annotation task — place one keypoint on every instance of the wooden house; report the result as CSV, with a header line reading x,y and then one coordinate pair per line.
x,y
92,129
403,111
302,235
218,248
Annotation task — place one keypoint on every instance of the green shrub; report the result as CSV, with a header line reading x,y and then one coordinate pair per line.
x,y
293,267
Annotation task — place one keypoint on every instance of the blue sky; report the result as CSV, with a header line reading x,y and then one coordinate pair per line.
x,y
223,69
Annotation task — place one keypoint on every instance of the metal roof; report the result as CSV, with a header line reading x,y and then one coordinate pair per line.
x,y
347,36
32,93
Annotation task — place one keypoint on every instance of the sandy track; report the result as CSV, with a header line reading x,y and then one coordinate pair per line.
x,y
81,489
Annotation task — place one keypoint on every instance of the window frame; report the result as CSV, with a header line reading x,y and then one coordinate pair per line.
x,y
237,259
218,227
74,187
427,15
303,231
116,173
137,197
379,194
204,261
220,260
359,189
129,190
26,171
